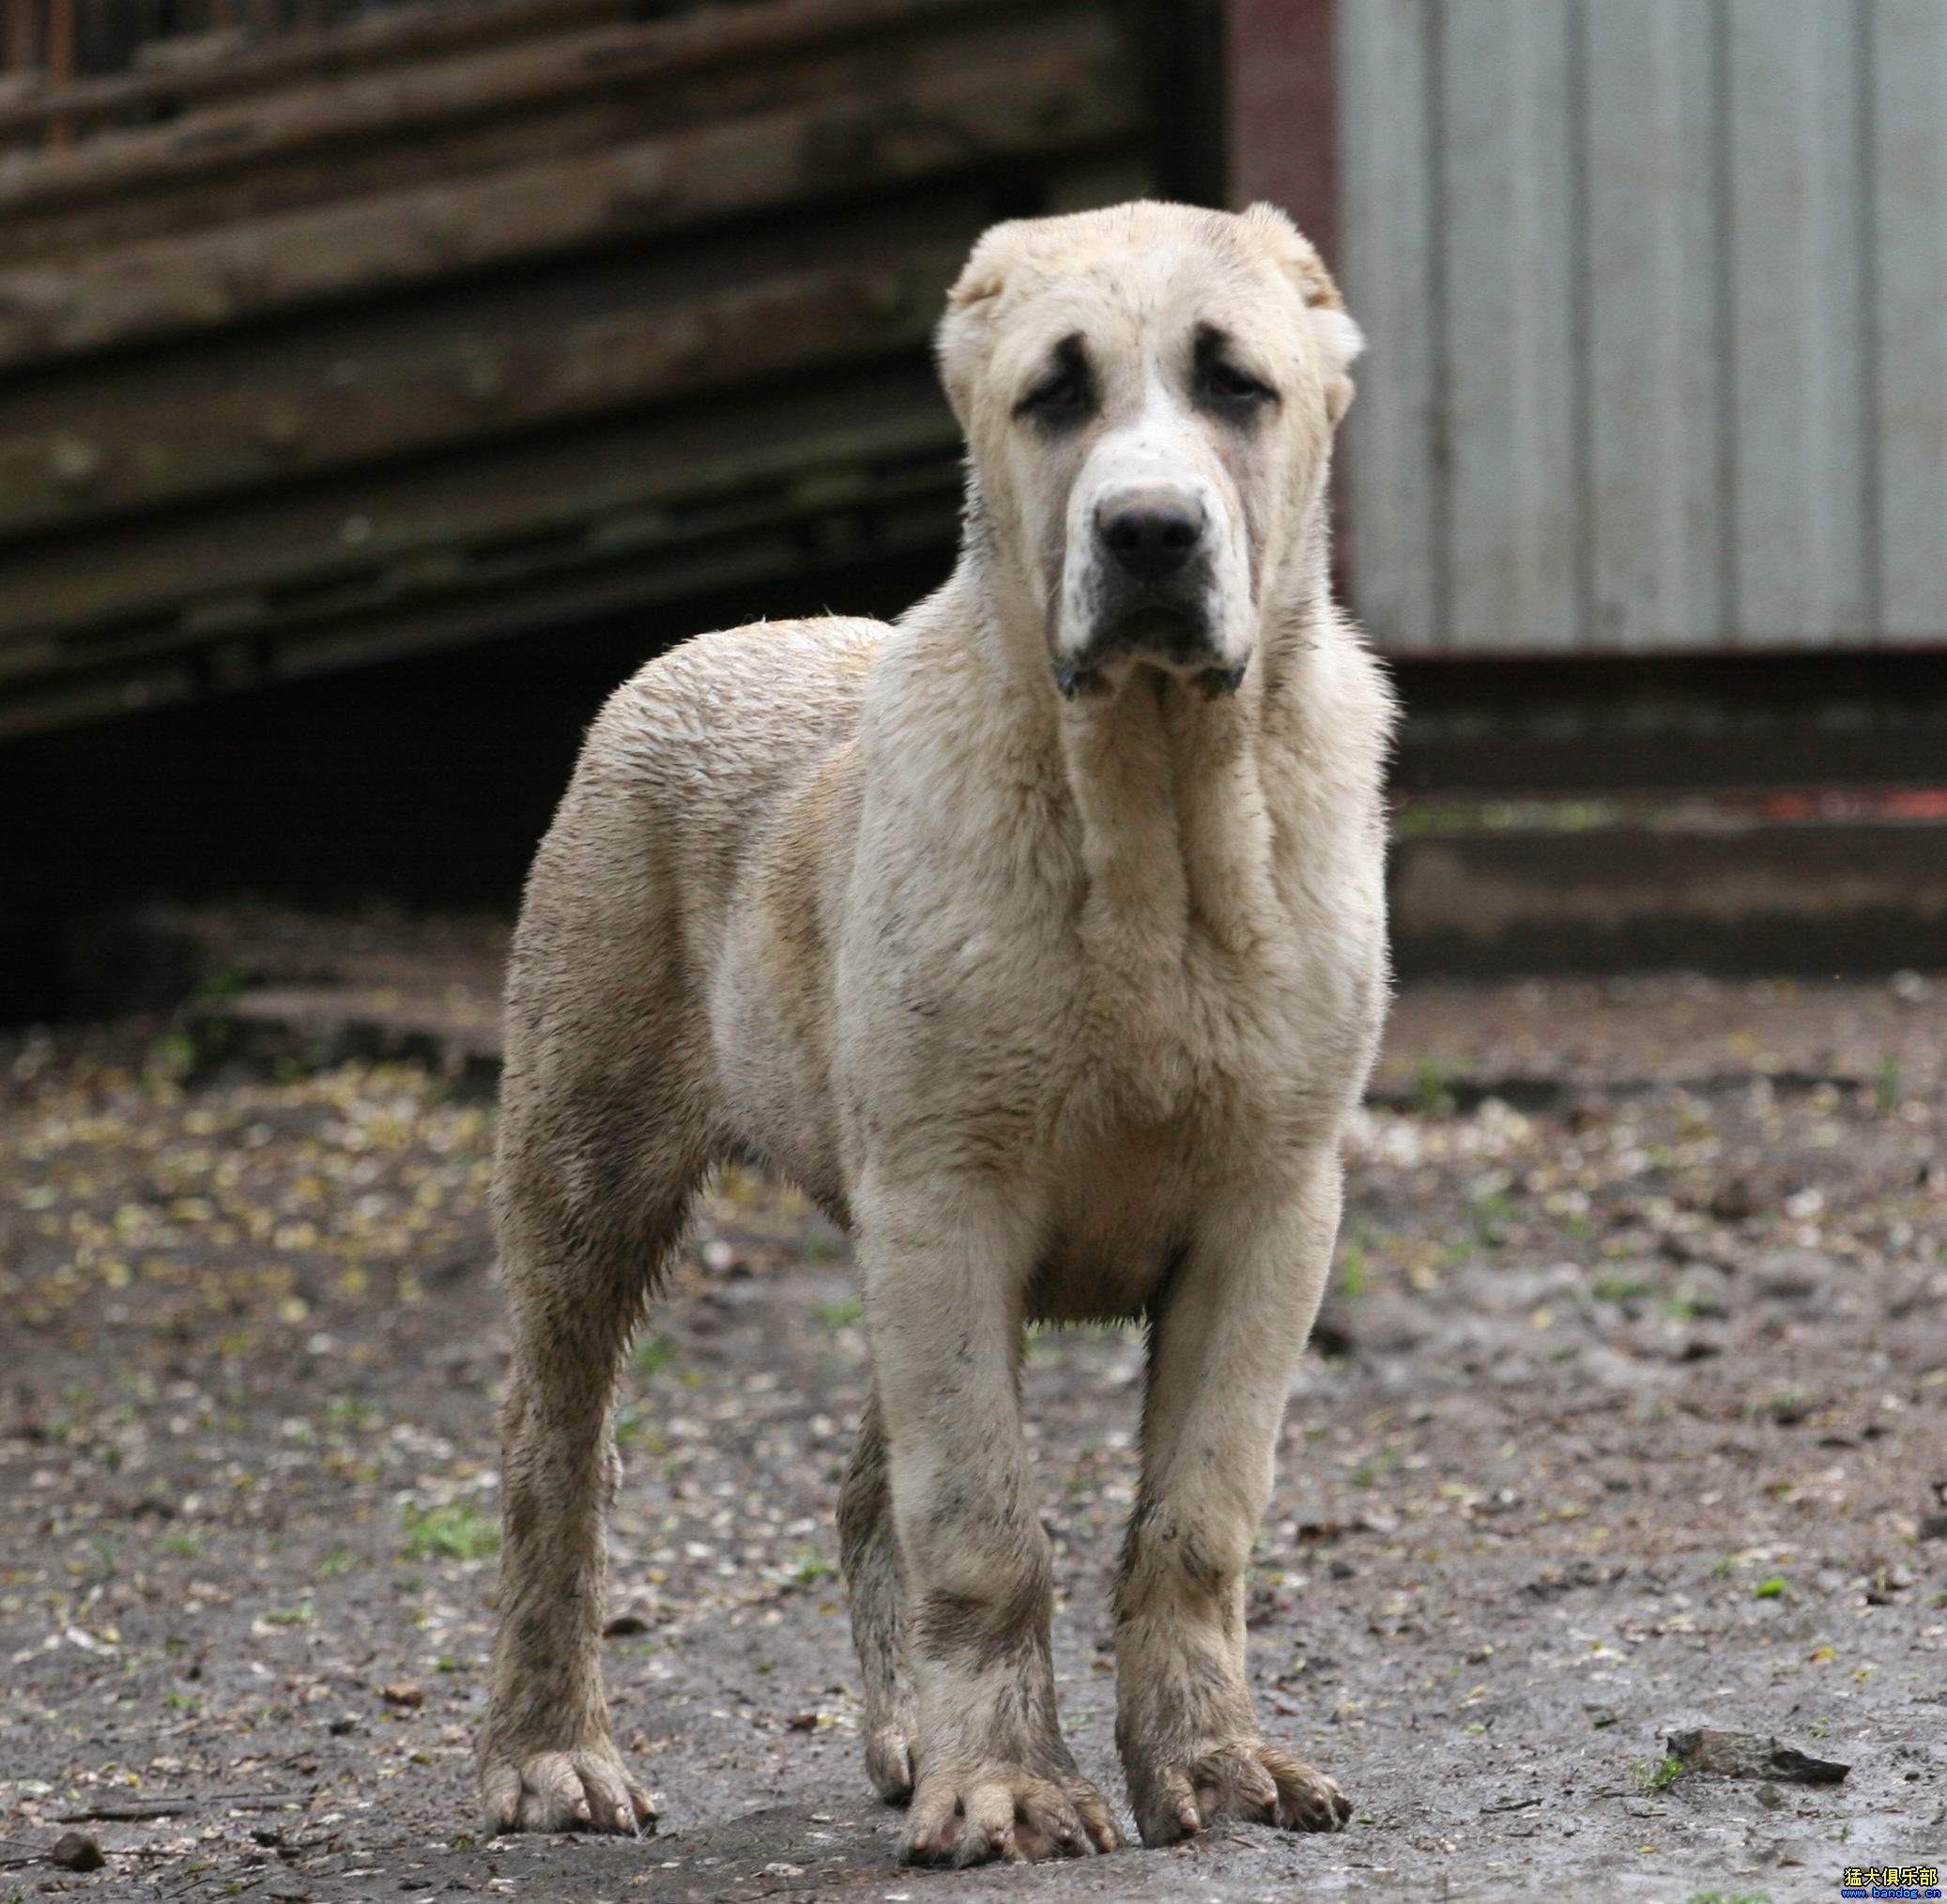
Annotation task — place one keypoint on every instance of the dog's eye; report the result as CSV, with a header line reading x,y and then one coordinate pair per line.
x,y
1065,392
1224,381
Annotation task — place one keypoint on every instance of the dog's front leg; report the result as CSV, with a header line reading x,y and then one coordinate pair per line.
x,y
945,1266
1223,1350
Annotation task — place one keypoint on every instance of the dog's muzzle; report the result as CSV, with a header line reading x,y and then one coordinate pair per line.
x,y
1153,592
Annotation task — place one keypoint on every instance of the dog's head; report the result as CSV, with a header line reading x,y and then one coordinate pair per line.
x,y
1149,395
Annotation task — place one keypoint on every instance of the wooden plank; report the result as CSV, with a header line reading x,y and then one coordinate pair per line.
x,y
69,455
574,92
1657,411
507,445
1391,280
60,63
542,516
1510,170
245,642
164,87
755,551
1908,67
1048,97
99,587
20,40
1799,336
93,592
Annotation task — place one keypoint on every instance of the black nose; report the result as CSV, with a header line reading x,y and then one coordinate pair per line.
x,y
1153,538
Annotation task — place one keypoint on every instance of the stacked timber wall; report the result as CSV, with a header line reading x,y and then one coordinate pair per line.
x,y
462,319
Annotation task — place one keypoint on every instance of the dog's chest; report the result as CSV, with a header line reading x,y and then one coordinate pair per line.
x,y
1150,1135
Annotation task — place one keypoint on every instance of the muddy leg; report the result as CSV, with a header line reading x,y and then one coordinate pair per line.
x,y
576,1282
1222,1354
945,1266
870,1556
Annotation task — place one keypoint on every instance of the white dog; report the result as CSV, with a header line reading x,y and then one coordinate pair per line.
x,y
1040,937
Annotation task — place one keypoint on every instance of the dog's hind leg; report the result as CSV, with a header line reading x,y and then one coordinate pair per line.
x,y
870,1556
548,1760
600,1152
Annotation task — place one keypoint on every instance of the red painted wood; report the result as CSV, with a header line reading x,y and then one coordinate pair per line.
x,y
1280,72
1283,130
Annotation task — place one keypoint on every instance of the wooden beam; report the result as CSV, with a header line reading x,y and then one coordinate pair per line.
x,y
60,64
462,89
1282,62
20,46
582,93
319,408
1061,94
371,41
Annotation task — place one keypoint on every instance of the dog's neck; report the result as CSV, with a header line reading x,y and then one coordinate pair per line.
x,y
1167,782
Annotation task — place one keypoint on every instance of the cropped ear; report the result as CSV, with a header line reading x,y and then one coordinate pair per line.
x,y
960,341
1335,338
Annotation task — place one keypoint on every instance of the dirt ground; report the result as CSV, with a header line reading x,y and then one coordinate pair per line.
x,y
1628,1414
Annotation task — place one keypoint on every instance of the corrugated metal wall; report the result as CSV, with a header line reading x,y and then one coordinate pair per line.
x,y
1656,298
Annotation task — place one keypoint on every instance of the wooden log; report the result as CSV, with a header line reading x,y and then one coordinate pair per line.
x,y
105,581
410,613
128,585
574,92
60,56
300,411
1065,92
163,87
19,48
755,554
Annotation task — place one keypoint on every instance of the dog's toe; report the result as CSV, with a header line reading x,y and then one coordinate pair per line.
x,y
1007,1813
889,1764
1248,1779
587,1789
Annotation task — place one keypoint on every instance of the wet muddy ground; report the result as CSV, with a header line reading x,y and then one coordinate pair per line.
x,y
1628,1414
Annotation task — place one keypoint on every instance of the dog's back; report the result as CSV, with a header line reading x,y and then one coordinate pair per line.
x,y
684,806
709,742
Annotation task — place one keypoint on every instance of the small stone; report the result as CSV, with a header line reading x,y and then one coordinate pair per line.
x,y
76,1852
1733,1200
1749,1754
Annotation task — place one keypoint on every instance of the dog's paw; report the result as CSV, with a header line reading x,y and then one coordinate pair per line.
x,y
889,1763
1251,1779
584,1790
1006,1812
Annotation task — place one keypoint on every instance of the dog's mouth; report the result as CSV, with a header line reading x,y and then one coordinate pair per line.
x,y
1171,639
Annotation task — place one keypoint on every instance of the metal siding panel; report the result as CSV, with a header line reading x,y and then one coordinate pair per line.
x,y
1388,169
1657,522
1797,339
1657,291
1844,445
1511,173
1909,171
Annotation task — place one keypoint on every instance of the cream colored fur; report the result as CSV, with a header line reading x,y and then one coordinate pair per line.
x,y
1058,1003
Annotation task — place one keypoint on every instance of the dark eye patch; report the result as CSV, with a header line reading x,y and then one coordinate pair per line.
x,y
1065,393
1221,383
